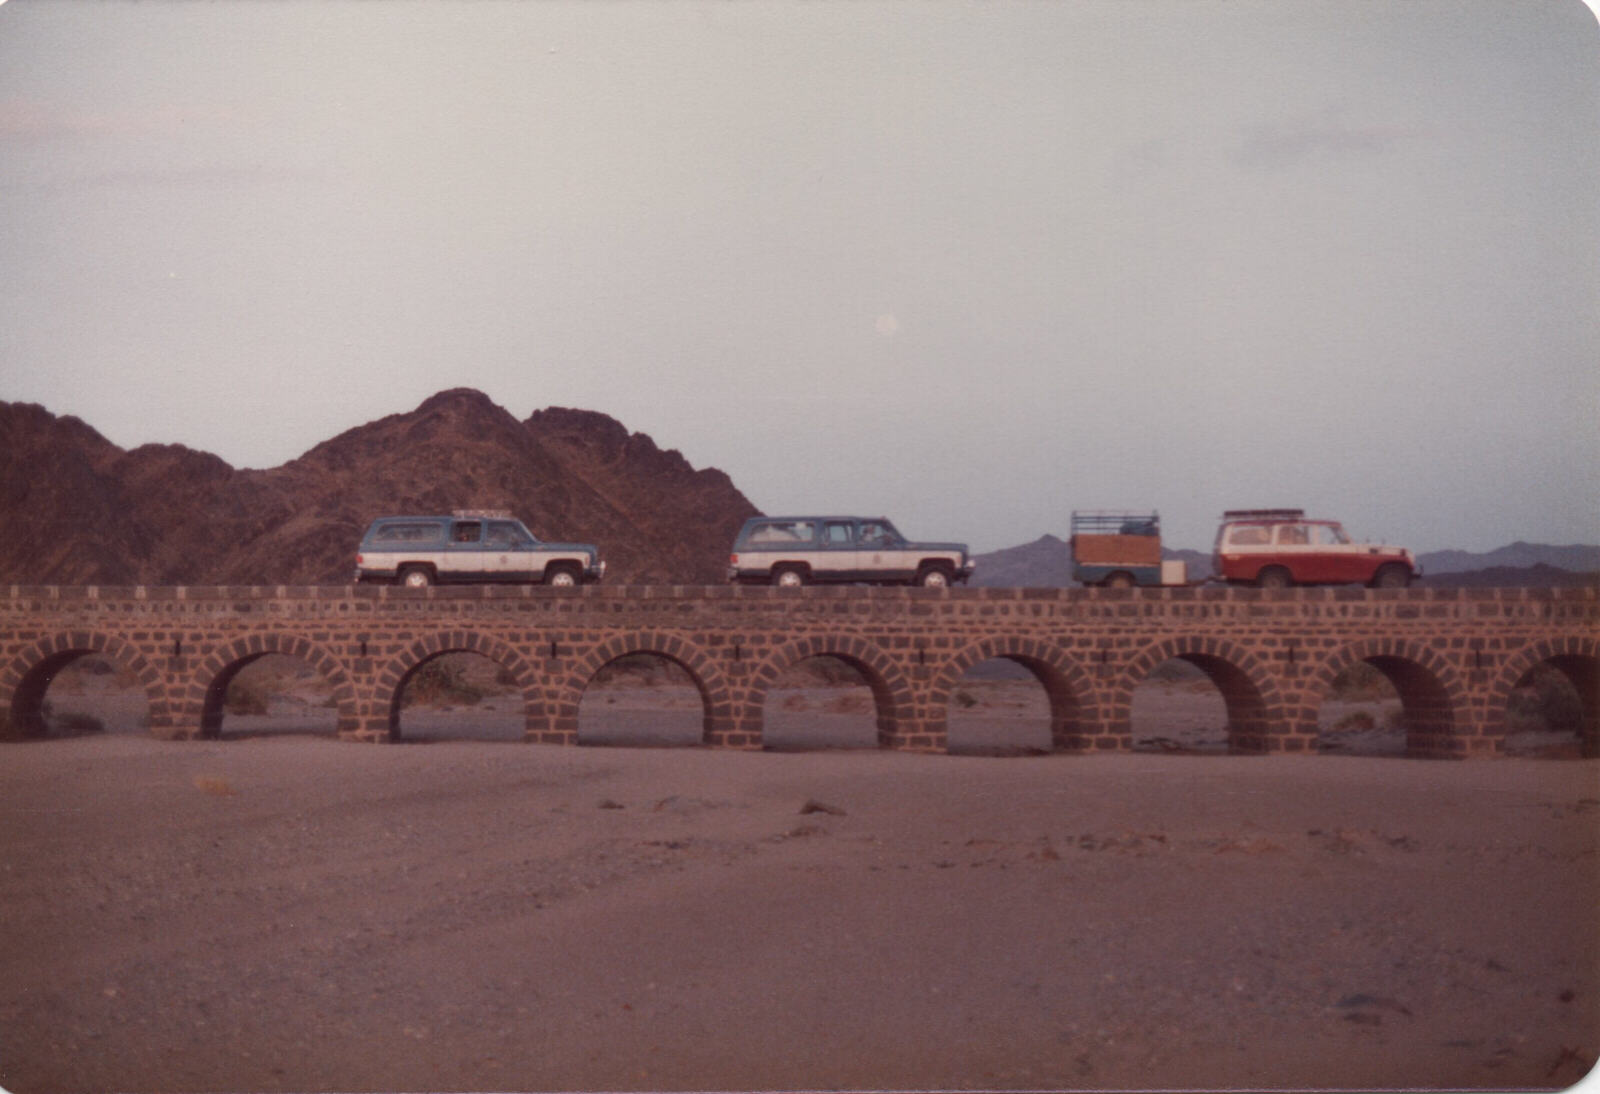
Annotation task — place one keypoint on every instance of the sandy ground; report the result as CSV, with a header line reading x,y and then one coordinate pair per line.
x,y
282,911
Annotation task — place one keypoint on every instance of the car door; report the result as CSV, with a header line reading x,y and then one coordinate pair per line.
x,y
463,555
1328,560
1293,549
837,560
882,554
509,552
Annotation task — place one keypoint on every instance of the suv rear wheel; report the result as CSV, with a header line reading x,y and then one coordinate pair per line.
x,y
414,577
789,577
1274,577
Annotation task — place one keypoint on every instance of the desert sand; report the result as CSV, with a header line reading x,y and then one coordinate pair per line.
x,y
279,910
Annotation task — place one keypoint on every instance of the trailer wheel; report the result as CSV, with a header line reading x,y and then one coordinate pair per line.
x,y
1119,580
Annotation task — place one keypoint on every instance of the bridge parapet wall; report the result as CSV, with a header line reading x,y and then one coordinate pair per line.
x,y
1455,654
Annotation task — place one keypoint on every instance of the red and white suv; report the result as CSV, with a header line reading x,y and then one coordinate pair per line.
x,y
1276,548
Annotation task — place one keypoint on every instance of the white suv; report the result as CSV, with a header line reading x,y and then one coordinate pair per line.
x,y
1276,548
805,550
470,545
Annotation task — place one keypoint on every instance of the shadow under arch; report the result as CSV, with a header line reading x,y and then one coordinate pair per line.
x,y
28,675
716,704
1067,686
1578,659
891,692
218,669
1432,696
390,686
1254,704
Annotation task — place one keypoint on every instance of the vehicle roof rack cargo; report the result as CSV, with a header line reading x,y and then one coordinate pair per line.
x,y
1264,514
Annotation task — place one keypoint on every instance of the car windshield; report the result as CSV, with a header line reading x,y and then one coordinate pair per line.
x,y
878,533
507,534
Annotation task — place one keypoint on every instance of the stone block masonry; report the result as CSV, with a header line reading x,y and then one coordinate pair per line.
x,y
1454,655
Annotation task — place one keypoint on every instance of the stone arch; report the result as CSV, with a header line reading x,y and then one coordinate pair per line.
x,y
1433,697
716,699
208,685
391,680
26,678
891,690
1578,659
1068,686
1250,691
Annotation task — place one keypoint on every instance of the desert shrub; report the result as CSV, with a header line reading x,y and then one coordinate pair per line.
x,y
1360,681
1546,698
245,696
442,681
75,722
830,671
1355,720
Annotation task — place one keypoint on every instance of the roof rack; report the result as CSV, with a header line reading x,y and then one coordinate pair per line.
x,y
1146,522
481,514
1264,514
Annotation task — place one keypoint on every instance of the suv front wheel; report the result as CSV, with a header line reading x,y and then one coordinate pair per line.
x,y
561,577
1391,576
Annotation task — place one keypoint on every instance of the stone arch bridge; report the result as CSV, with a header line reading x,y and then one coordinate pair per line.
x,y
1454,655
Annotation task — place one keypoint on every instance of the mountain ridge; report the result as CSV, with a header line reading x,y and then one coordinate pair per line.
x,y
82,511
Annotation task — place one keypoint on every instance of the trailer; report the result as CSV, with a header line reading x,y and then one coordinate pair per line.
x,y
1120,548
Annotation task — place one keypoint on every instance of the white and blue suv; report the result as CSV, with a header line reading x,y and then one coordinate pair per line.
x,y
470,546
806,550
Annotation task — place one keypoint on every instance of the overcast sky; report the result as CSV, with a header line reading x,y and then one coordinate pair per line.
x,y
969,266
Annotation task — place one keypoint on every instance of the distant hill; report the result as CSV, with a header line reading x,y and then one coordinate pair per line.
x,y
1047,562
1517,556
79,510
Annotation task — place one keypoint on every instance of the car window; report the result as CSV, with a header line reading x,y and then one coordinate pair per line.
x,y
1326,535
407,532
1249,535
503,534
838,533
782,531
466,531
877,533
1292,535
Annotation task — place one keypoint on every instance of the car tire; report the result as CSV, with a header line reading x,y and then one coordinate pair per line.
x,y
1392,576
789,577
560,577
933,577
1119,580
414,577
1274,577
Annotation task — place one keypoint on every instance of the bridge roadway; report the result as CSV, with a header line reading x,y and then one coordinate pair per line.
x,y
1454,655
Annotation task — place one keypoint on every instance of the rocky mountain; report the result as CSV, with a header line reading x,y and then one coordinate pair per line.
x,y
1047,562
79,510
1517,556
